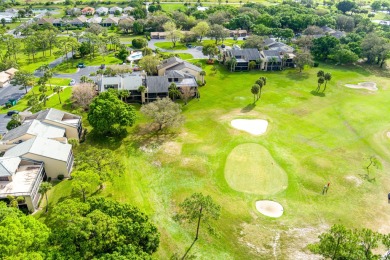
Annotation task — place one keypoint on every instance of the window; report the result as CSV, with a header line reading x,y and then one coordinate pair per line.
x,y
176,80
111,86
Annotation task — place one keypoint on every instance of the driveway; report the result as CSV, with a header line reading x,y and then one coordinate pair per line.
x,y
11,92
4,119
76,76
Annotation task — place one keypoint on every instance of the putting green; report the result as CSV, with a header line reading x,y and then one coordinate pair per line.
x,y
250,168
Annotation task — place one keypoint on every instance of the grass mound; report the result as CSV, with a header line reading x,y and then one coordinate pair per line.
x,y
250,168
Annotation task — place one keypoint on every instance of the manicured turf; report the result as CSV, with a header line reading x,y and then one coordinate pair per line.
x,y
250,168
314,139
169,46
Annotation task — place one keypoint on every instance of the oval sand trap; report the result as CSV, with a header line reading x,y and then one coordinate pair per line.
x,y
269,208
364,85
252,126
250,168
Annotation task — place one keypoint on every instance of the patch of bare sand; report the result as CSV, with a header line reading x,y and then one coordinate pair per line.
x,y
355,180
280,243
388,134
363,85
172,148
269,208
252,126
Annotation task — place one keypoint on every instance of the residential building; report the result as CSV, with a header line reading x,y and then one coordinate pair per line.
x,y
114,9
178,64
128,9
238,33
127,82
79,21
70,122
45,20
126,19
95,19
88,10
163,35
272,44
110,21
21,177
57,156
58,22
7,76
102,11
30,129
73,11
242,58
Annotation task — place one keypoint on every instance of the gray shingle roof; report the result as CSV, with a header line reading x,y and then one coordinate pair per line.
x,y
9,165
169,62
271,53
246,54
175,74
157,84
184,65
43,147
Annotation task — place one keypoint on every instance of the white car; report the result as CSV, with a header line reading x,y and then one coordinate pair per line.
x,y
72,82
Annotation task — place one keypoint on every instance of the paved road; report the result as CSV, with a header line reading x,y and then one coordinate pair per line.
x,y
4,119
11,92
76,76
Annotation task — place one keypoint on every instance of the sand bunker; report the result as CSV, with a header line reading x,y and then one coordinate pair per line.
x,y
269,208
252,126
388,134
364,85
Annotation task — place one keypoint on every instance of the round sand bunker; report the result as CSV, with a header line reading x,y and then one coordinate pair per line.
x,y
269,208
252,126
364,85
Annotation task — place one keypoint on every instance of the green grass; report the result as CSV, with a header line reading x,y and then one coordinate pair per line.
x,y
184,56
68,67
169,46
172,7
314,139
250,168
51,102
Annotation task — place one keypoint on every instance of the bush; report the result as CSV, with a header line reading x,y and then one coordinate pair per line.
x,y
48,179
371,15
60,177
13,124
74,142
139,43
316,64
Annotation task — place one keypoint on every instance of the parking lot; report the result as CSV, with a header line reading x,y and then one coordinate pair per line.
x,y
4,119
10,92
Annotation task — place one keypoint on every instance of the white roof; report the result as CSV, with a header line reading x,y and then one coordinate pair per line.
x,y
9,165
42,147
114,8
35,128
4,77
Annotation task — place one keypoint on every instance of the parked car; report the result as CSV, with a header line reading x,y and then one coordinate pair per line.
x,y
102,67
72,82
12,112
81,65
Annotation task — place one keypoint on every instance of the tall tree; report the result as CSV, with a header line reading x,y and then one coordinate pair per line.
x,y
173,91
58,90
149,63
199,209
320,81
327,77
174,33
84,182
164,113
218,32
23,78
255,91
107,113
303,59
201,30
43,189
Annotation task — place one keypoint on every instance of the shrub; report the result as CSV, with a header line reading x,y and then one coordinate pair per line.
x,y
74,142
13,124
316,64
60,177
48,179
139,43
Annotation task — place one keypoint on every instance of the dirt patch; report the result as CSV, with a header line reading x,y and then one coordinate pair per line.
x,y
388,134
364,85
172,148
355,180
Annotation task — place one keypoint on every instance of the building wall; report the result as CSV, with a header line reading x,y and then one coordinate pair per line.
x,y
70,132
24,137
53,167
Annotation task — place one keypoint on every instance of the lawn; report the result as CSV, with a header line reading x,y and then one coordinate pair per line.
x,y
184,56
51,102
169,46
314,139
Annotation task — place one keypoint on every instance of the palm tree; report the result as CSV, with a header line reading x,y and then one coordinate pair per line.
x,y
320,81
320,73
202,74
233,64
273,60
327,77
255,91
43,189
260,83
84,79
47,72
173,91
143,90
123,93
58,90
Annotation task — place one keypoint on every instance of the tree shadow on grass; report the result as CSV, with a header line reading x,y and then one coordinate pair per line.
x,y
317,94
248,108
111,141
295,75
